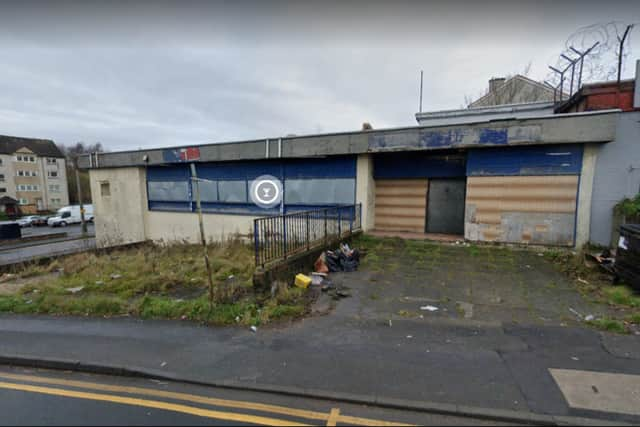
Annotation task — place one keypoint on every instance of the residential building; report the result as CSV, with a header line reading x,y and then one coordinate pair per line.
x,y
514,90
33,171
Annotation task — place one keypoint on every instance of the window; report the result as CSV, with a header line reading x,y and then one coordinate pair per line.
x,y
52,174
319,191
66,214
105,189
232,191
55,201
18,158
20,173
52,161
54,188
0,161
23,201
1,177
3,190
169,191
32,159
208,191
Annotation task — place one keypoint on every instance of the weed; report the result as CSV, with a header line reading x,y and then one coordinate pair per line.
x,y
621,295
611,325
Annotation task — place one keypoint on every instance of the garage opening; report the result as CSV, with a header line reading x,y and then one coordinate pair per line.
x,y
420,192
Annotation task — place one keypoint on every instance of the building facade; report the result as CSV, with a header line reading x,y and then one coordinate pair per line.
x,y
525,181
33,171
617,165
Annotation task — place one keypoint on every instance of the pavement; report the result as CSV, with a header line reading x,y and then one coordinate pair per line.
x,y
511,352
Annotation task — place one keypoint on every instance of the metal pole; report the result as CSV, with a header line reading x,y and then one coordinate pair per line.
x,y
79,191
421,75
572,62
620,50
203,240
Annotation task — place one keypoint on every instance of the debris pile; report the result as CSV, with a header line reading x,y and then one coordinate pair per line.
x,y
342,259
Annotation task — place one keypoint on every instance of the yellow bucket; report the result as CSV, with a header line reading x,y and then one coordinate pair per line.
x,y
302,281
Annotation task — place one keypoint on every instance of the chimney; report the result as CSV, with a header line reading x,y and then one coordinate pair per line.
x,y
494,83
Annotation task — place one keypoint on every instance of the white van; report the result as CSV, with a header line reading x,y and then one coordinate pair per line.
x,y
70,215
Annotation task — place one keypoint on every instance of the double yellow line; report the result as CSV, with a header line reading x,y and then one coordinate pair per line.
x,y
329,418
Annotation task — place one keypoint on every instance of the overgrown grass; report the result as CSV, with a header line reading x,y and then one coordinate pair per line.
x,y
596,285
154,281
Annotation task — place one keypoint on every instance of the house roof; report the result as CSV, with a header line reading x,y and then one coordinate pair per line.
x,y
6,200
41,147
512,80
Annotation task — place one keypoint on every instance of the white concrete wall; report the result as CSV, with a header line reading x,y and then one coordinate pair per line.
x,y
183,226
123,216
366,190
119,216
585,192
617,175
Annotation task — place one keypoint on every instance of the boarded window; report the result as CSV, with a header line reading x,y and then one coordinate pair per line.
x,y
169,191
105,189
320,191
208,191
232,191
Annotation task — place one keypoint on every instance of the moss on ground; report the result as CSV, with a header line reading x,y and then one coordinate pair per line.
x,y
152,281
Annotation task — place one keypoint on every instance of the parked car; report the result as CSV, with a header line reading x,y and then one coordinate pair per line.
x,y
26,221
39,221
70,215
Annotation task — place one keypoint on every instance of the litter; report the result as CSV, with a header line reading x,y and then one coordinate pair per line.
x,y
320,265
342,259
99,283
75,290
318,278
409,336
429,308
582,281
575,312
116,276
589,317
574,358
254,329
302,281
163,364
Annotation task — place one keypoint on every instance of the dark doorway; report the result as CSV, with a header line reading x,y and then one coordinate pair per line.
x,y
445,206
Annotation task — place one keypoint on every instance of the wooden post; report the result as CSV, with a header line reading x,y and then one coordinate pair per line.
x,y
79,191
203,240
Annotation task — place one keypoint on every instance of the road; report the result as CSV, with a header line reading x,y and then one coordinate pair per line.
x,y
38,397
74,230
29,250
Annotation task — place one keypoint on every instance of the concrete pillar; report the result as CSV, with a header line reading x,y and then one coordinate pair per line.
x,y
119,205
366,190
585,192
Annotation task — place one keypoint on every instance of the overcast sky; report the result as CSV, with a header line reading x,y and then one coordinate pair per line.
x,y
156,74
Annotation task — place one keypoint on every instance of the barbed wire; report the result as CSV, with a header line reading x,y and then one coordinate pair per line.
x,y
601,63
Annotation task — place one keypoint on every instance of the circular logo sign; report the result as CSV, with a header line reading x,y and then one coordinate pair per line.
x,y
266,191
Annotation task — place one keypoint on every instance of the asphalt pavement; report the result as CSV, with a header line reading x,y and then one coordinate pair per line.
x,y
73,230
43,397
62,245
436,366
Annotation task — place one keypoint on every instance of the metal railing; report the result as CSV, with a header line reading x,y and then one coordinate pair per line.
x,y
280,236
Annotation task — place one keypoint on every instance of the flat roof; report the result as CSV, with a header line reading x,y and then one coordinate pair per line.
x,y
584,127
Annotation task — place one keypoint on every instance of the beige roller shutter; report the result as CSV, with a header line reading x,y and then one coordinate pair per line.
x,y
401,204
